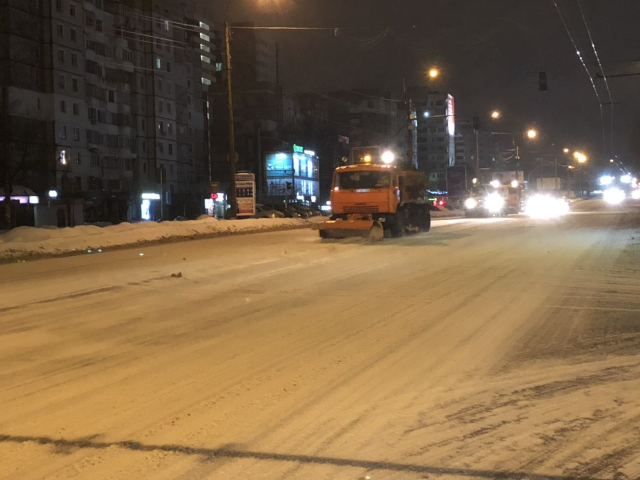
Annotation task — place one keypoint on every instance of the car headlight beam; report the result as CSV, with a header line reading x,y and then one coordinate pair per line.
x,y
494,203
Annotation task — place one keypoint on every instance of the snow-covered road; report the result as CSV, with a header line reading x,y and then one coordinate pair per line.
x,y
489,347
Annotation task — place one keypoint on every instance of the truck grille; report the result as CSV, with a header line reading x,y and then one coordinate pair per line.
x,y
361,209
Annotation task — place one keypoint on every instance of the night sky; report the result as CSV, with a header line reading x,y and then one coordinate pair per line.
x,y
490,53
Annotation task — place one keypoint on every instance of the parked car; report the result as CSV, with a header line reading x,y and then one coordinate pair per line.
x,y
287,212
265,211
302,210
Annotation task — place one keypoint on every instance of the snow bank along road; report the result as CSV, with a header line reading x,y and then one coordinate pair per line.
x,y
490,347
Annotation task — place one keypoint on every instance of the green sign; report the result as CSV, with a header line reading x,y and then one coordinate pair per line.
x,y
298,148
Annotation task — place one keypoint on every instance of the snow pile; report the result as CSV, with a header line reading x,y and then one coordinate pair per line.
x,y
28,241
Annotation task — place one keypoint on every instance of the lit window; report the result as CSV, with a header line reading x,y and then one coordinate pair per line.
x,y
158,63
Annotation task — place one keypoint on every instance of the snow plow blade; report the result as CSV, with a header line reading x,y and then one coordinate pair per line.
x,y
351,228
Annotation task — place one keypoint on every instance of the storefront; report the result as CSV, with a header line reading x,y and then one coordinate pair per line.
x,y
293,175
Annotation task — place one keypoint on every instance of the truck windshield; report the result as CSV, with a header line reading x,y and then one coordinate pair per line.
x,y
362,180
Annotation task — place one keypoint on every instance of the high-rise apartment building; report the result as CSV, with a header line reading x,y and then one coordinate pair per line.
x,y
118,92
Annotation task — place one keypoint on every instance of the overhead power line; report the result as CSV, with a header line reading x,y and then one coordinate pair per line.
x,y
606,82
586,69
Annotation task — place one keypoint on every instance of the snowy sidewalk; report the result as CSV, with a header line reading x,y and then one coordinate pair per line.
x,y
31,242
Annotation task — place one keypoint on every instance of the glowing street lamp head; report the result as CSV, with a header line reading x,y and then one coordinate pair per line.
x,y
532,133
580,157
565,150
388,157
434,73
496,114
367,158
426,114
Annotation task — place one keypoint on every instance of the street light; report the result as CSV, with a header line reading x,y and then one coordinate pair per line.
x,y
580,157
434,73
565,150
496,114
532,133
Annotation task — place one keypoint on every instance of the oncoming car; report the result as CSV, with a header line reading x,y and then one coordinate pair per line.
x,y
491,201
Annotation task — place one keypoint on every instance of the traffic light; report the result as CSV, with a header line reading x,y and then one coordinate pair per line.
x,y
289,186
542,82
476,123
214,196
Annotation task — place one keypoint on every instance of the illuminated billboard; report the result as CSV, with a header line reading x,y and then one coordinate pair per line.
x,y
451,115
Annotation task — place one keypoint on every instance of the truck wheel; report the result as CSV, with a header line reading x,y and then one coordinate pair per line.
x,y
397,229
427,220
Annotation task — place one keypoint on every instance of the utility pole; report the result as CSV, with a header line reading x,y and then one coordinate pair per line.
x,y
232,156
6,153
410,124
476,131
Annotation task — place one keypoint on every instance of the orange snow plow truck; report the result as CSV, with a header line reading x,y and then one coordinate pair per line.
x,y
369,199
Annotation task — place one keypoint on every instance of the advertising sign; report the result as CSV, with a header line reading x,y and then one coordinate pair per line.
x,y
457,181
451,115
246,194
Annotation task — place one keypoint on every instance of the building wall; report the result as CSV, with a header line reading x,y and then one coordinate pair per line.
x,y
122,94
436,145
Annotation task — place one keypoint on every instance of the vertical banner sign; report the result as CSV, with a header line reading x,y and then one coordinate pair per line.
x,y
451,116
246,194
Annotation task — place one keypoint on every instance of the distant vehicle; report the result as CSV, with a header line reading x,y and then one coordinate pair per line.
x,y
264,211
437,200
487,201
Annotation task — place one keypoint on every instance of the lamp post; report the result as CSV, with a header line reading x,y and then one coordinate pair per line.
x,y
232,156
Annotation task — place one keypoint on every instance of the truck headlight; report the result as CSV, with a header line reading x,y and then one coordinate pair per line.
x,y
494,203
471,203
